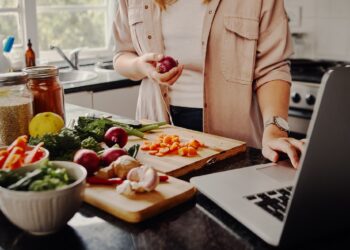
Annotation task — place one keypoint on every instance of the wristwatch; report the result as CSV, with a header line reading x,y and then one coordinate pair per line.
x,y
279,122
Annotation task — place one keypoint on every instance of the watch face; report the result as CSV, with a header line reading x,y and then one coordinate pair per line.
x,y
283,123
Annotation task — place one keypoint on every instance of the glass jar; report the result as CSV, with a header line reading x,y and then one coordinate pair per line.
x,y
46,89
16,109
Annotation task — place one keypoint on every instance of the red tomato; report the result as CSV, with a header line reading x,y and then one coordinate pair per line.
x,y
21,142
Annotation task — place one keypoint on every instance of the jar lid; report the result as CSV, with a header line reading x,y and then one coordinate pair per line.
x,y
13,78
41,71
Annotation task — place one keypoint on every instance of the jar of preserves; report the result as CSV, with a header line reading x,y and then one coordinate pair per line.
x,y
46,89
16,109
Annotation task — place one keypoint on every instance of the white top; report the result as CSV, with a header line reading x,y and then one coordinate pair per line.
x,y
182,36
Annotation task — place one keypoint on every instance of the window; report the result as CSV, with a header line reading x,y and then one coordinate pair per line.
x,y
10,20
68,24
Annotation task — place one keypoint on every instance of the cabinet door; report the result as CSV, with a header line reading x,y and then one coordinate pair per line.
x,y
117,101
83,99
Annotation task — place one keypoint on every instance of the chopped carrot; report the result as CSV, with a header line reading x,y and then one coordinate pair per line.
x,y
175,139
145,147
153,152
191,151
168,139
194,143
171,144
154,146
164,150
174,146
183,151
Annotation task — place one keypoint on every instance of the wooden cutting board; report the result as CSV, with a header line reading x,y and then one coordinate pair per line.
x,y
140,206
218,148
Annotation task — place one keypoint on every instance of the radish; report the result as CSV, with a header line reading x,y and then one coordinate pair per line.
x,y
116,135
88,159
110,155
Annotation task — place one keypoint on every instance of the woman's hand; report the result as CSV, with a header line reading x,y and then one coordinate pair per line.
x,y
146,64
276,141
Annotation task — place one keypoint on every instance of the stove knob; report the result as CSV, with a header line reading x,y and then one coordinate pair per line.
x,y
310,99
296,98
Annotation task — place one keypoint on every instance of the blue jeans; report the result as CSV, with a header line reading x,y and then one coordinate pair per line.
x,y
190,118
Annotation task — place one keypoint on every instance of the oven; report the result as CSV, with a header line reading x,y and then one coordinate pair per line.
x,y
307,76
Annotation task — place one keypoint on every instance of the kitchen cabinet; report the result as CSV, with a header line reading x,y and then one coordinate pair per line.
x,y
83,99
120,101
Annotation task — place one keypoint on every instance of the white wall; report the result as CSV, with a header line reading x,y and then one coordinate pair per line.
x,y
325,25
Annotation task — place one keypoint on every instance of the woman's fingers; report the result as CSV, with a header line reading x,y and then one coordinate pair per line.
x,y
270,154
299,144
167,78
285,146
152,57
174,79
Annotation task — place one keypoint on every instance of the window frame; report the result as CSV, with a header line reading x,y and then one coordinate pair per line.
x,y
28,27
19,11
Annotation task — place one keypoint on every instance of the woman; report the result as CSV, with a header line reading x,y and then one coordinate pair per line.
x,y
233,77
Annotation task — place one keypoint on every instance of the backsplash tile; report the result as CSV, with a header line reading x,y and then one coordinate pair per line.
x,y
325,28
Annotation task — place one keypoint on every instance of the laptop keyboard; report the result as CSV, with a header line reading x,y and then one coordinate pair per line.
x,y
274,202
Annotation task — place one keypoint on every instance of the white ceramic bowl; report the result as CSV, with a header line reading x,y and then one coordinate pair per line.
x,y
45,212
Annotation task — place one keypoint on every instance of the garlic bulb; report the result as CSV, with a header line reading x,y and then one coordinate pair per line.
x,y
123,165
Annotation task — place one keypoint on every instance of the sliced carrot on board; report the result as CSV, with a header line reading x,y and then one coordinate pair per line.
x,y
145,147
191,151
164,150
183,151
153,152
194,143
154,146
168,139
174,146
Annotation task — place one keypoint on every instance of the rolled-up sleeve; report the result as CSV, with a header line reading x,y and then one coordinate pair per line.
x,y
121,31
274,45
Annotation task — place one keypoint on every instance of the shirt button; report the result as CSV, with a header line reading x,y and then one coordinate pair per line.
x,y
210,12
149,37
203,43
146,7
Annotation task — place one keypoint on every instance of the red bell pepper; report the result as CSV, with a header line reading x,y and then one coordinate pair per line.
x,y
94,180
163,178
100,181
34,155
2,160
20,142
14,159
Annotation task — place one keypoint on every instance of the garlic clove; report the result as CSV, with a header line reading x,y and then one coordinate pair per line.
x,y
125,188
150,179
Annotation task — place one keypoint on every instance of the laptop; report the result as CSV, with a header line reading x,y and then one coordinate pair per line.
x,y
283,205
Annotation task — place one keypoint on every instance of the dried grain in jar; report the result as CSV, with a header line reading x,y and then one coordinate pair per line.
x,y
15,106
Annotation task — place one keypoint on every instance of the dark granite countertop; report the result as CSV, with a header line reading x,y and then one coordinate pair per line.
x,y
105,80
196,224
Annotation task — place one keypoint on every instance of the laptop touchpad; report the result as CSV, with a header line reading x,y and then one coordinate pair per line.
x,y
281,171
